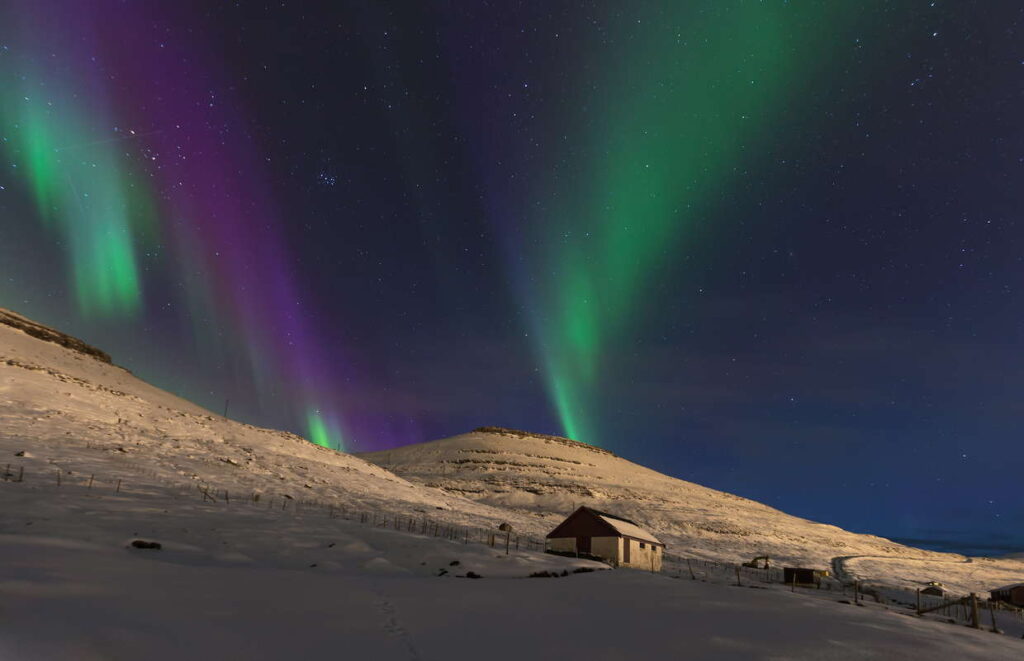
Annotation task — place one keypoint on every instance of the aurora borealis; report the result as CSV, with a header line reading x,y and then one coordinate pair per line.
x,y
690,98
771,247
181,180
82,186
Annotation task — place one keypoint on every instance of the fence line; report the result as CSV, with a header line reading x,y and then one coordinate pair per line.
x,y
961,610
375,516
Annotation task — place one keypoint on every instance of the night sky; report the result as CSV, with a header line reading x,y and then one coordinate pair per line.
x,y
774,248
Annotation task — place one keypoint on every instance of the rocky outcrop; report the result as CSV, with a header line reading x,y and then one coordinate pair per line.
x,y
518,433
48,334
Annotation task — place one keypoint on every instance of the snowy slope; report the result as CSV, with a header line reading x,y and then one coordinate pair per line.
x,y
549,476
64,402
73,409
106,459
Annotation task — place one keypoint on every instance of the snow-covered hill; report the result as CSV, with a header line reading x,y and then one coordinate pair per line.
x,y
548,476
66,405
69,406
106,458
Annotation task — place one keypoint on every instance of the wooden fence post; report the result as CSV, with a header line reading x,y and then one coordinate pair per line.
x,y
919,601
118,489
975,619
992,614
21,473
738,583
90,481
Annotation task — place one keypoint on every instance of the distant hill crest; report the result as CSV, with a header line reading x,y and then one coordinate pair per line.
x,y
504,431
47,334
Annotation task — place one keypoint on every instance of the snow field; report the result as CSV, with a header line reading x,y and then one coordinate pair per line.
x,y
248,582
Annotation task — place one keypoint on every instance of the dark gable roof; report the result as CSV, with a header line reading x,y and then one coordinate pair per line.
x,y
583,521
610,516
588,522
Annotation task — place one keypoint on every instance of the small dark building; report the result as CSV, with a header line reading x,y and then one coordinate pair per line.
x,y
612,538
1011,594
935,589
800,576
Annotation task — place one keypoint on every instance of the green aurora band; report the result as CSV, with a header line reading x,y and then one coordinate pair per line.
x,y
84,189
679,113
319,432
126,212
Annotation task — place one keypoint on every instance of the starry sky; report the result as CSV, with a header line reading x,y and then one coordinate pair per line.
x,y
771,247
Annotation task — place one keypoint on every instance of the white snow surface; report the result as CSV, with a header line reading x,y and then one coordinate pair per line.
x,y
242,579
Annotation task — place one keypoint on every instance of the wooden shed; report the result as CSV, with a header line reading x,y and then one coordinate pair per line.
x,y
611,538
800,576
1011,594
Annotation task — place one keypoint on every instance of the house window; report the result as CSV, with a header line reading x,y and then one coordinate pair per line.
x,y
642,545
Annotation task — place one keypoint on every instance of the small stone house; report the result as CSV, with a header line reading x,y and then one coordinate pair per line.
x,y
618,541
1011,594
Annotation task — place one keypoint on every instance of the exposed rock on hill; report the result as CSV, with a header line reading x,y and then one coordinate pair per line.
x,y
47,334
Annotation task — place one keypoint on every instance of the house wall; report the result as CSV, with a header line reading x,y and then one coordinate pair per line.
x,y
609,548
1014,596
563,544
648,558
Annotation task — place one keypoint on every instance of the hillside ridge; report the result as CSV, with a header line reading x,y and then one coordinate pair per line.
x,y
47,334
519,433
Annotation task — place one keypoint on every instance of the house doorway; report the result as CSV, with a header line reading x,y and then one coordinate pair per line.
x,y
583,545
